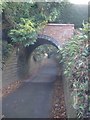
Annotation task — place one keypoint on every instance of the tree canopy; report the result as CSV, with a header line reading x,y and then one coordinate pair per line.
x,y
26,19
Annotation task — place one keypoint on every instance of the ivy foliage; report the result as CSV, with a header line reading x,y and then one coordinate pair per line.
x,y
75,57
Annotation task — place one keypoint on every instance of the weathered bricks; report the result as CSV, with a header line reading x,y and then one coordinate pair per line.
x,y
60,32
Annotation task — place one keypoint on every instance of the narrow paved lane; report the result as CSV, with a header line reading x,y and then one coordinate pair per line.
x,y
33,99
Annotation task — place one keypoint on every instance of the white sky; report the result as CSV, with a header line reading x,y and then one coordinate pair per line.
x,y
79,1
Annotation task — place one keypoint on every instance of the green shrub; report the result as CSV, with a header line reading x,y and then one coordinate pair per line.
x,y
75,57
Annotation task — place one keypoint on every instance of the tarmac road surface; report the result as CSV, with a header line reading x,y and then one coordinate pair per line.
x,y
33,99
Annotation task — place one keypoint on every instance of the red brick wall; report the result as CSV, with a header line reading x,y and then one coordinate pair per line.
x,y
60,32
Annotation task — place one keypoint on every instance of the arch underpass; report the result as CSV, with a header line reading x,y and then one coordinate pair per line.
x,y
53,34
17,67
34,97
25,53
42,39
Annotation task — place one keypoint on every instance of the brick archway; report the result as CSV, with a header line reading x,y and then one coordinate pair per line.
x,y
42,39
50,39
25,54
53,34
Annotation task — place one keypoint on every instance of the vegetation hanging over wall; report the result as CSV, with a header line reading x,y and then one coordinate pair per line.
x,y
75,57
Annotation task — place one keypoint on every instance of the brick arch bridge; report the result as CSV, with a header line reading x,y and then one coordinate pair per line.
x,y
41,40
54,34
17,65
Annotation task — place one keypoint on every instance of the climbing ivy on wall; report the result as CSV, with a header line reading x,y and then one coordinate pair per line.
x,y
75,57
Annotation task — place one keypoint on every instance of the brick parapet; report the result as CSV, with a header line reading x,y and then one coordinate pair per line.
x,y
60,32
